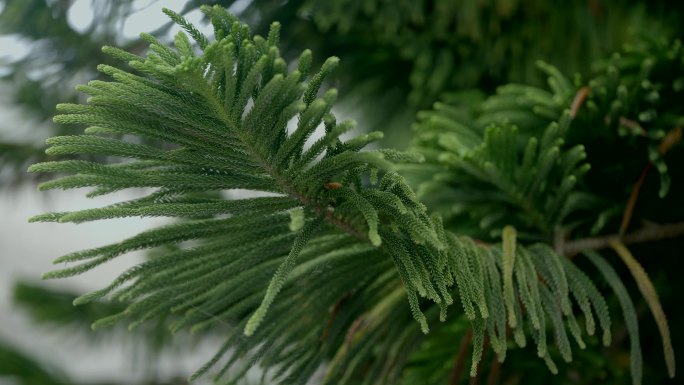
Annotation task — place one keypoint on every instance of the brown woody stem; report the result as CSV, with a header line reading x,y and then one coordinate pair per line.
x,y
648,233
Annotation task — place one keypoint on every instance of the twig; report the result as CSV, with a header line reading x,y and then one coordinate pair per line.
x,y
649,233
629,209
633,126
580,97
673,137
457,370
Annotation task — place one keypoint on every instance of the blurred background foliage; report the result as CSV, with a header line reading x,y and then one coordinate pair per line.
x,y
403,55
398,57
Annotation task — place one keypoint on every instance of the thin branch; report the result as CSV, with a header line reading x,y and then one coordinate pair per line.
x,y
631,203
578,101
672,138
632,125
649,233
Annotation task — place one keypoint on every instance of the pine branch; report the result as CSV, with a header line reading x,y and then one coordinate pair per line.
x,y
221,118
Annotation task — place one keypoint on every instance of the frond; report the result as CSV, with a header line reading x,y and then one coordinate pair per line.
x,y
628,312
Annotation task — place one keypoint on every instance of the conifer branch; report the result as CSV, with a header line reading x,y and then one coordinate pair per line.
x,y
196,119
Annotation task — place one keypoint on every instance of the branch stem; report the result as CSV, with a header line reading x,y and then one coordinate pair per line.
x,y
648,233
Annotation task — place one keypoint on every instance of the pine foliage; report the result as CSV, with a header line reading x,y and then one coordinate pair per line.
x,y
519,156
508,163
424,33
404,55
449,44
312,265
516,158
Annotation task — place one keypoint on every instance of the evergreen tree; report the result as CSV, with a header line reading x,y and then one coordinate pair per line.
x,y
331,260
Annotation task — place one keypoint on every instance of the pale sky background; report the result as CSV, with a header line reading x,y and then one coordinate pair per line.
x,y
26,250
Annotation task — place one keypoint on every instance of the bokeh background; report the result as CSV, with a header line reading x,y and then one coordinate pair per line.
x,y
398,57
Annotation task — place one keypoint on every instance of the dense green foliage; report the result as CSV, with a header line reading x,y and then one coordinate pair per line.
x,y
519,157
310,266
402,55
516,157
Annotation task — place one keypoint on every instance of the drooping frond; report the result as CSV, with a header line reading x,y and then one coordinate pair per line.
x,y
631,323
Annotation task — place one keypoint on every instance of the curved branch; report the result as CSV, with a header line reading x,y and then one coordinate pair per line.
x,y
648,233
